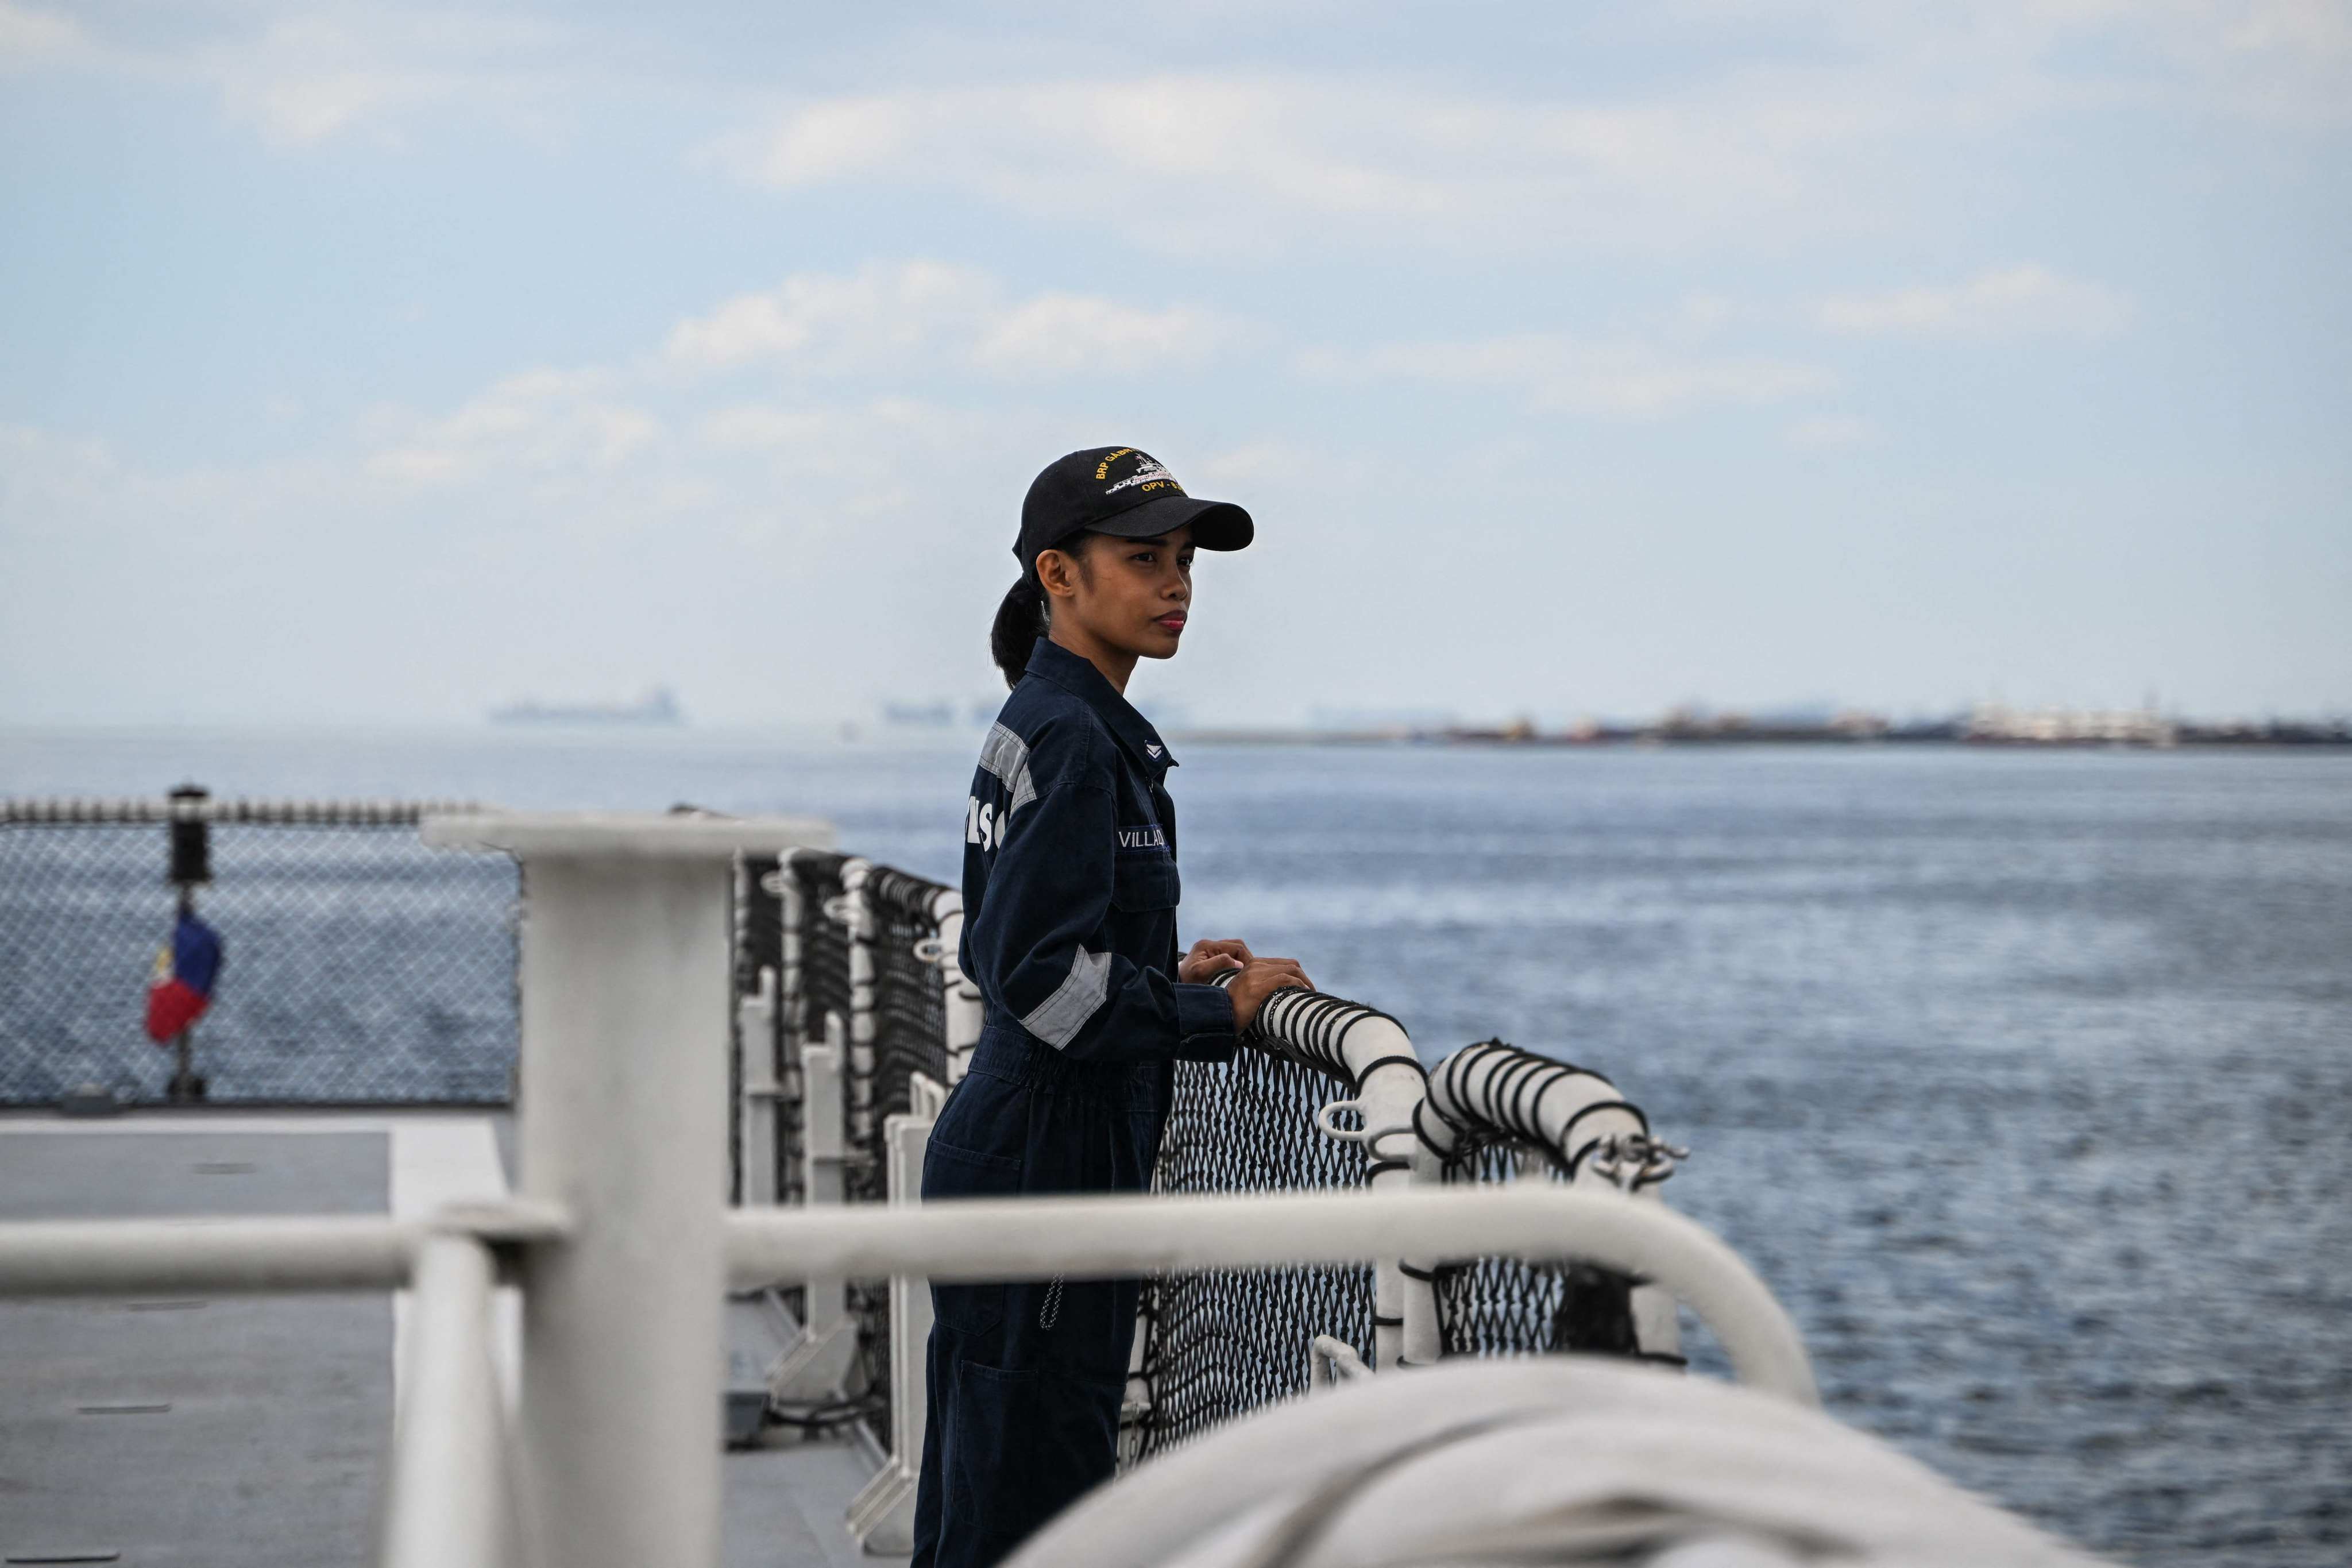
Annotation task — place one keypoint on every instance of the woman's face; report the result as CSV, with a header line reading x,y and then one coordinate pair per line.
x,y
1129,594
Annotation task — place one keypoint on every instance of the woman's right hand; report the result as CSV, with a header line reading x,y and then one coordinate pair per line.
x,y
1260,978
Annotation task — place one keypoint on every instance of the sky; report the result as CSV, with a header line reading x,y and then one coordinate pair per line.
x,y
370,363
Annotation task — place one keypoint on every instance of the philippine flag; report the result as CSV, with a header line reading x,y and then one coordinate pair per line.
x,y
184,972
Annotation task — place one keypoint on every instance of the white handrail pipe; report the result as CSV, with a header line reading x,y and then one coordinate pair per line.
x,y
1036,1238
205,1257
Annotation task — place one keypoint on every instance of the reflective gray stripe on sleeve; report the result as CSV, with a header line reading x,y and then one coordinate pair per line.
x,y
1060,1018
1006,755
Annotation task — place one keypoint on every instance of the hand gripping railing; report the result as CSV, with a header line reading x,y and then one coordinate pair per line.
x,y
1491,1098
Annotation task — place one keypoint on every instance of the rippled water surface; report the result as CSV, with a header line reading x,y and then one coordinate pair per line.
x,y
2022,1078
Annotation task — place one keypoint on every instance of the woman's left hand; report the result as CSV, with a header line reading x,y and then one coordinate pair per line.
x,y
1212,956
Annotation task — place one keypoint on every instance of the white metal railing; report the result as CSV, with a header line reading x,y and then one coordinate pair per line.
x,y
1488,1096
622,1247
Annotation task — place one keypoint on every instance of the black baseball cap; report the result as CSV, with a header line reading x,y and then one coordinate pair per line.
x,y
1121,491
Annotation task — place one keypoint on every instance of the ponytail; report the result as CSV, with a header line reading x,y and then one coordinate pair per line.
x,y
1020,622
1022,618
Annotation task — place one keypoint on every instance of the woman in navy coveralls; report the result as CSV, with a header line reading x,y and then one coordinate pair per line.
x,y
1069,896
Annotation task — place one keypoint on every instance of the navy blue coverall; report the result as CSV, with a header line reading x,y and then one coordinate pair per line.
x,y
1069,898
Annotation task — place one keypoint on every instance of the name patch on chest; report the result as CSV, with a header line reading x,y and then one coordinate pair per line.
x,y
1151,839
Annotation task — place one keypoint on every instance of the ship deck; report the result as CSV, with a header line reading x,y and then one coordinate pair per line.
x,y
253,1431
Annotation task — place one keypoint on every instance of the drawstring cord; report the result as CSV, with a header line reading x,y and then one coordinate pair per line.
x,y
1049,1312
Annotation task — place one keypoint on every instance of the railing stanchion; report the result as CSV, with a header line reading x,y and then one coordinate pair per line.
x,y
622,1122
449,1504
755,1031
965,1011
857,917
790,1115
812,1368
882,1516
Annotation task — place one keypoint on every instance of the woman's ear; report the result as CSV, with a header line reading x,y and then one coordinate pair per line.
x,y
1058,574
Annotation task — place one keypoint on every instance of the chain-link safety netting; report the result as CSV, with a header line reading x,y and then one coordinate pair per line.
x,y
357,966
1513,1306
1220,1343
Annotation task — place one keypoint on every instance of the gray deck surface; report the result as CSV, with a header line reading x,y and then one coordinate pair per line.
x,y
251,1431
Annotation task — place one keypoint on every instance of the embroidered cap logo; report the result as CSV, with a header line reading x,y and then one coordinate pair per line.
x,y
1150,473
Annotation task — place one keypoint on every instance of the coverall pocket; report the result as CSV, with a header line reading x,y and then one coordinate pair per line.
x,y
1041,1438
952,1173
1145,884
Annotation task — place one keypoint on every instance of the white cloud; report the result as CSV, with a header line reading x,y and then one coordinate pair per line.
x,y
1235,161
542,535
46,481
300,74
1624,379
1823,431
928,313
1697,138
28,36
2007,302
1258,462
565,424
305,76
1069,333
1821,130
2281,60
884,313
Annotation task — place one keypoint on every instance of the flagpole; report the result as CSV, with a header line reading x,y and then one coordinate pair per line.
x,y
185,1086
191,863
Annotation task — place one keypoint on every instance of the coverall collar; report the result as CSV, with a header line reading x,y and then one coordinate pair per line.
x,y
1049,660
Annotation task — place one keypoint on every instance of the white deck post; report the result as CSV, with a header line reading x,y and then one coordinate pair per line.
x,y
882,1516
755,1030
621,1120
814,1366
825,1160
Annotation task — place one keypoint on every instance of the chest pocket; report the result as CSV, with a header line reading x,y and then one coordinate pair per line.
x,y
1144,882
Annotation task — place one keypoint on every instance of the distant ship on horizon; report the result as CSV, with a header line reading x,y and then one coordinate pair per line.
x,y
657,708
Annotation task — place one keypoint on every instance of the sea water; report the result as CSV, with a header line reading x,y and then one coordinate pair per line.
x,y
2022,1078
